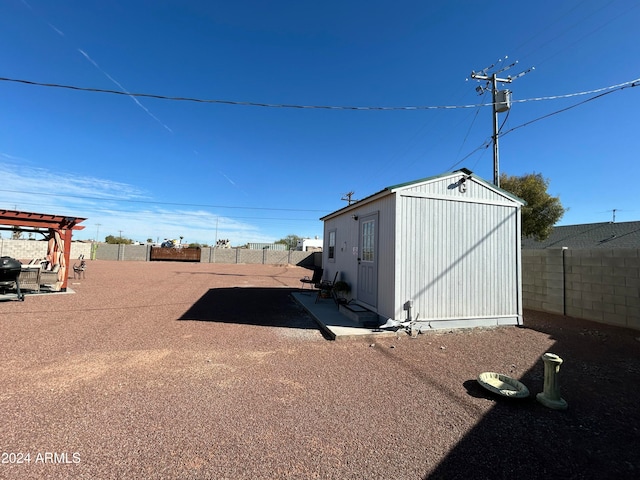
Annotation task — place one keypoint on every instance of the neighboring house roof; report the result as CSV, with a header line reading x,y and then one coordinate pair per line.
x,y
394,188
590,235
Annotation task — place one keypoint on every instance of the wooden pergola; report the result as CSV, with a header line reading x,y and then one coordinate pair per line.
x,y
56,229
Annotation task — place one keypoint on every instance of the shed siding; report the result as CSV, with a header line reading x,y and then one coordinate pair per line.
x,y
344,243
454,252
346,261
453,266
386,254
448,187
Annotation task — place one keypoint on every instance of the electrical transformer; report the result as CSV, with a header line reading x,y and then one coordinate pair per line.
x,y
503,100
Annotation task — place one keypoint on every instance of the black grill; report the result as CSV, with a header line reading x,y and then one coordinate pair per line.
x,y
9,274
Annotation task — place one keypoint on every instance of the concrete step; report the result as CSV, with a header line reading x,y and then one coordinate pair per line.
x,y
359,314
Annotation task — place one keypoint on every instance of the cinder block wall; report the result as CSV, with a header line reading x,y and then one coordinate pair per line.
x,y
30,249
105,251
137,253
543,280
604,285
220,255
599,284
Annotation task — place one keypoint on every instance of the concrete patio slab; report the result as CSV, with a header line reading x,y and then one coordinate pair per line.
x,y
336,325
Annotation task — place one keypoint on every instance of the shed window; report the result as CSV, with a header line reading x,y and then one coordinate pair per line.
x,y
368,241
332,245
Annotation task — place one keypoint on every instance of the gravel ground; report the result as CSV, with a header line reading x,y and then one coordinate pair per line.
x,y
169,370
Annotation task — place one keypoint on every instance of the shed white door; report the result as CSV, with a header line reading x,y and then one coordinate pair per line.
x,y
368,260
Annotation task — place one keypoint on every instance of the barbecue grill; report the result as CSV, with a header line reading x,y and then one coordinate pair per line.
x,y
9,275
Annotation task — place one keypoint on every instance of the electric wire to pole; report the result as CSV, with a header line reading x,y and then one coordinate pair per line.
x,y
298,106
634,84
488,141
601,93
501,102
173,204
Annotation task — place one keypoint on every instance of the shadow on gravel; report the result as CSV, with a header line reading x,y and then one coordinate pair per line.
x,y
269,307
598,436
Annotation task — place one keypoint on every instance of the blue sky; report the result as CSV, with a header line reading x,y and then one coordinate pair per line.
x,y
155,168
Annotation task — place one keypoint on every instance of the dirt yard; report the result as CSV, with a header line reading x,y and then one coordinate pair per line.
x,y
179,370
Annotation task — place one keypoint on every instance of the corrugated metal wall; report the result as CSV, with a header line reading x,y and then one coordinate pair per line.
x,y
459,259
447,187
386,254
453,251
267,246
346,261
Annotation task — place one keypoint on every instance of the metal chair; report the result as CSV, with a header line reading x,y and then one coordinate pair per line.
x,y
327,286
315,279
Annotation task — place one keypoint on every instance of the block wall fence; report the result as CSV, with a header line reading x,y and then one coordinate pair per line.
x,y
602,285
29,249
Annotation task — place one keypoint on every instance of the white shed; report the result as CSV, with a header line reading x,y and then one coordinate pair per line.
x,y
444,249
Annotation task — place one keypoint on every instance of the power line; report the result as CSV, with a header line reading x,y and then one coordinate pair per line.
x,y
595,30
501,101
464,140
633,84
571,27
487,142
546,28
153,215
323,107
175,204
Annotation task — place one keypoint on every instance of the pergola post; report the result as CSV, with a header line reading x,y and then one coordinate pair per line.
x,y
67,257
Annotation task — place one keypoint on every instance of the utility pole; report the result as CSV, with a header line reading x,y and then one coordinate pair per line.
x,y
98,232
501,101
348,197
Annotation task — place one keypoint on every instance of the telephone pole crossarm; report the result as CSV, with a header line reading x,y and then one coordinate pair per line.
x,y
492,83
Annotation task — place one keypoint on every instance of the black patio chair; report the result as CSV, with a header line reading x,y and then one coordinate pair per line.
x,y
315,279
326,287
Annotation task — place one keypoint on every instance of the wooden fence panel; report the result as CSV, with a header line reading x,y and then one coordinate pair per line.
x,y
186,254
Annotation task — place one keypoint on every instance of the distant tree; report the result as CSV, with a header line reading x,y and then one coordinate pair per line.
x,y
542,210
291,241
149,240
116,240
